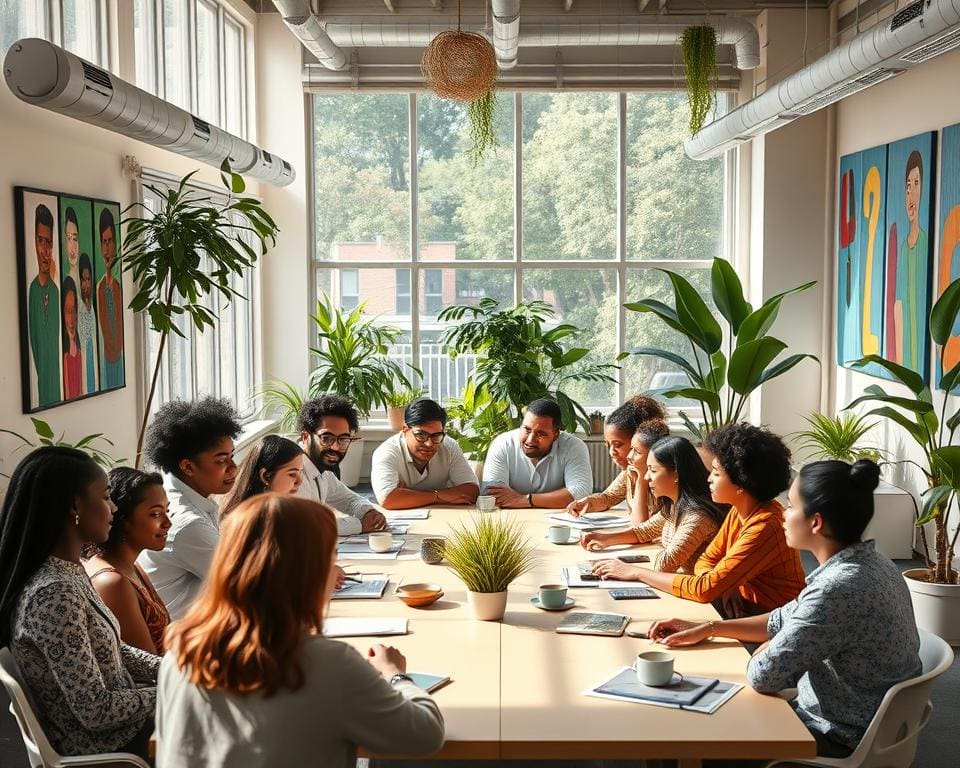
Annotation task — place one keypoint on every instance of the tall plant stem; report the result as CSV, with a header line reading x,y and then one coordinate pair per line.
x,y
153,384
707,425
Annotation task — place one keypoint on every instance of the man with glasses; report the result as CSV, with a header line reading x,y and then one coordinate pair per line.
x,y
538,465
421,465
327,424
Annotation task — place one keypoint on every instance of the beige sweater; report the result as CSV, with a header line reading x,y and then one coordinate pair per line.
x,y
343,703
682,545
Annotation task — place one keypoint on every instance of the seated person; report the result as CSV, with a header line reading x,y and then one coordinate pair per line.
x,y
421,464
140,522
850,635
192,443
81,677
619,432
327,424
233,694
748,568
538,465
687,519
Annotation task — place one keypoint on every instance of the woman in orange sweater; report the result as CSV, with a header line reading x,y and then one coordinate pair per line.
x,y
748,568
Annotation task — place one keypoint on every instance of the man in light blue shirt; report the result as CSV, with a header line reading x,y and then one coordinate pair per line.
x,y
538,465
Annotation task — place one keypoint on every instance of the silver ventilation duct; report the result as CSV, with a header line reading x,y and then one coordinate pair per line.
x,y
45,75
506,31
310,31
917,33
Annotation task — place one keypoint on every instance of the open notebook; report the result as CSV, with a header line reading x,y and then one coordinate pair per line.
x,y
371,586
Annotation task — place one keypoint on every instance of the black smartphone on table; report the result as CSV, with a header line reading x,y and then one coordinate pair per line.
x,y
633,559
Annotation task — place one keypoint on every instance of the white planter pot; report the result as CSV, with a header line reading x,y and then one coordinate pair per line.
x,y
935,606
487,606
477,467
350,466
395,417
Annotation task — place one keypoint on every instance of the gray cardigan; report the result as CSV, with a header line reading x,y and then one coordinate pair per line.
x,y
343,703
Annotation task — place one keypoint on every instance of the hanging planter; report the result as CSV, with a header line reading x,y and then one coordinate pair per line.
x,y
462,66
700,64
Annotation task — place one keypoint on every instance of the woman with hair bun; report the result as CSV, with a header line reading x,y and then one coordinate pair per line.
x,y
850,634
618,433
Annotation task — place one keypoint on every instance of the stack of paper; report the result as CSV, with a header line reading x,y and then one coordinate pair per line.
x,y
358,548
696,694
590,521
363,627
408,514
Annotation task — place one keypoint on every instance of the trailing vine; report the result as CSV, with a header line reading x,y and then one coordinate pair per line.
x,y
482,114
700,63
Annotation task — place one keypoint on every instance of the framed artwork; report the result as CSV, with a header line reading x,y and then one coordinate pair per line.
x,y
949,269
61,336
109,293
849,266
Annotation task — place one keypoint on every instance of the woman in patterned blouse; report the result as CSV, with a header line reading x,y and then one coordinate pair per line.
x,y
81,676
140,523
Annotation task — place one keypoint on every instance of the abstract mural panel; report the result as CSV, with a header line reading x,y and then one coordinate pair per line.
x,y
949,269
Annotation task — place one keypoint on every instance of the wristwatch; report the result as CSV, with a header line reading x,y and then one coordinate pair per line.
x,y
400,676
529,499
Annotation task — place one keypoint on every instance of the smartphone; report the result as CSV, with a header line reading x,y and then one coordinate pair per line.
x,y
633,593
585,567
637,633
633,559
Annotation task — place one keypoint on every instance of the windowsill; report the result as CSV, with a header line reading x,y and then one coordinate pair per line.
x,y
253,431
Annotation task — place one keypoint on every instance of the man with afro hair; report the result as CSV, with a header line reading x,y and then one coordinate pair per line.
x,y
191,442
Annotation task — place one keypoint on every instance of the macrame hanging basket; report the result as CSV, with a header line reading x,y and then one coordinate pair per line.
x,y
459,65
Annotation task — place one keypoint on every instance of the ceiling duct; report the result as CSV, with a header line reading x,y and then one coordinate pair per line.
x,y
45,75
917,33
309,30
506,31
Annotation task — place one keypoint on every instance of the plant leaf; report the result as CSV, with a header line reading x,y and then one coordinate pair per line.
x,y
694,315
749,361
935,499
943,316
43,429
728,293
910,379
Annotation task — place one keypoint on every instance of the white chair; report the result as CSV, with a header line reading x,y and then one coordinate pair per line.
x,y
39,751
891,738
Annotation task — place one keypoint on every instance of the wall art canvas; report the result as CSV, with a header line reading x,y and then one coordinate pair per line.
x,y
949,261
109,293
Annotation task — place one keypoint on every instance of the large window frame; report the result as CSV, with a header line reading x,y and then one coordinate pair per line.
x,y
622,265
53,28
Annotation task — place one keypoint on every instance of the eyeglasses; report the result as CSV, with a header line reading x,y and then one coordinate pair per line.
x,y
433,437
328,440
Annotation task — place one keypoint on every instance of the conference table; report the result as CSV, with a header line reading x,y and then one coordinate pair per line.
x,y
517,687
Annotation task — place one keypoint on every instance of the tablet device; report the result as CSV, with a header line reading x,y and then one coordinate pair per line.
x,y
580,623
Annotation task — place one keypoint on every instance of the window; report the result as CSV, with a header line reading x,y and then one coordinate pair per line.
x,y
77,25
221,361
349,288
191,53
586,194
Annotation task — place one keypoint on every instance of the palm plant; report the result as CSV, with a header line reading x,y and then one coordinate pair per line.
x,y
917,416
282,401
836,437
518,359
489,554
720,382
475,420
46,436
188,250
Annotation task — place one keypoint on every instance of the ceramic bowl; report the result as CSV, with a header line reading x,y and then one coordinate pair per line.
x,y
419,595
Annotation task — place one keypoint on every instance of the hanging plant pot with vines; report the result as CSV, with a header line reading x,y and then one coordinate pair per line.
x,y
700,64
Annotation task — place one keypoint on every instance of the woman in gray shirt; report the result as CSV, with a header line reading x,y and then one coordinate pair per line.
x,y
850,635
249,680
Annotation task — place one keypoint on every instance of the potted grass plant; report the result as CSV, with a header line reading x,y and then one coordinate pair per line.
x,y
837,437
488,554
397,402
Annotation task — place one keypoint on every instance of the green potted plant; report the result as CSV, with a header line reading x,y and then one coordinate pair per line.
x,y
699,46
185,251
281,401
596,423
474,421
397,402
720,382
935,589
488,554
837,437
519,359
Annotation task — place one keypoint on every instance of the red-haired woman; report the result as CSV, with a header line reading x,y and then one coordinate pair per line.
x,y
249,679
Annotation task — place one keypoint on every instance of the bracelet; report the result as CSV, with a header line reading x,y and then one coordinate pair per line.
x,y
436,494
399,677
713,629
529,499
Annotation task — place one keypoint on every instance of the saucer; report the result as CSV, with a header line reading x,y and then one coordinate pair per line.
x,y
574,539
675,680
568,603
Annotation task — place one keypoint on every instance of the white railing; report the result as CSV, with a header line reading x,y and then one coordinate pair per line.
x,y
443,377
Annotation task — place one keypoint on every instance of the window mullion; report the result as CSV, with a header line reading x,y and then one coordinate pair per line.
x,y
414,236
621,239
517,198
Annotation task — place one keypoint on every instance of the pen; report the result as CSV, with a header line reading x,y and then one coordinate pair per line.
x,y
352,578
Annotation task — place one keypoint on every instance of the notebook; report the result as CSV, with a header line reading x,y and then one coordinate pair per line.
x,y
683,692
408,514
359,549
708,703
371,586
586,522
581,623
363,627
428,682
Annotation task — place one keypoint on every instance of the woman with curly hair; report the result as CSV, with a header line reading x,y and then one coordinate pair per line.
x,y
618,434
748,568
140,523
685,523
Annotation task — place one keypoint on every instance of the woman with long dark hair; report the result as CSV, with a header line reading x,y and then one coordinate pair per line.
x,y
849,635
687,519
81,676
249,678
275,464
140,522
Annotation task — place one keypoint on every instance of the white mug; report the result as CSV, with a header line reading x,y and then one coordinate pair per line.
x,y
654,668
486,503
380,542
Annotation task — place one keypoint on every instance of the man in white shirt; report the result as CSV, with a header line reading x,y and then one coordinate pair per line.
x,y
192,443
421,464
538,465
327,424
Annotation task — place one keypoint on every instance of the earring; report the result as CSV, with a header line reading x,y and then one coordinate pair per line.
x,y
76,519
739,491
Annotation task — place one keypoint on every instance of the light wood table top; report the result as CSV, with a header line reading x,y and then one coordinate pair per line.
x,y
517,689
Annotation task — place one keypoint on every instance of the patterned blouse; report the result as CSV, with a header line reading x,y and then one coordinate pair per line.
x,y
848,637
683,544
151,606
78,672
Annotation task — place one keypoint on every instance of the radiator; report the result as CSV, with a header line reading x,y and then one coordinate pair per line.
x,y
604,470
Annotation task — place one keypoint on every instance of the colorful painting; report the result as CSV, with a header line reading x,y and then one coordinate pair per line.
x,y
849,277
949,269
911,165
81,367
109,296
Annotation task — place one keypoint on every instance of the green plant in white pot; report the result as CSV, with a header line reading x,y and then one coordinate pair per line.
x,y
397,402
488,554
474,421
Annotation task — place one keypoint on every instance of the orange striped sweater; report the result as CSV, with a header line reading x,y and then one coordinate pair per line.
x,y
750,556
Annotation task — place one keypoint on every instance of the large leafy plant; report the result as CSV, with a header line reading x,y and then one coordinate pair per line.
x,y
489,553
721,382
353,357
475,419
917,416
520,358
45,435
188,250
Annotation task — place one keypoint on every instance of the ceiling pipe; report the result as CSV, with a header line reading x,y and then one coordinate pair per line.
x,y
309,30
506,31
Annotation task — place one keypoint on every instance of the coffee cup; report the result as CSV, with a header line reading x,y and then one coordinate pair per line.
x,y
381,541
431,549
486,503
654,668
559,534
553,595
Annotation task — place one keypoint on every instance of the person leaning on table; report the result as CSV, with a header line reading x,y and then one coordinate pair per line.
x,y
538,465
850,634
421,464
250,681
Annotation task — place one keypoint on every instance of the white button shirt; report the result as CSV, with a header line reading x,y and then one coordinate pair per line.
x,y
566,466
178,570
326,487
393,464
